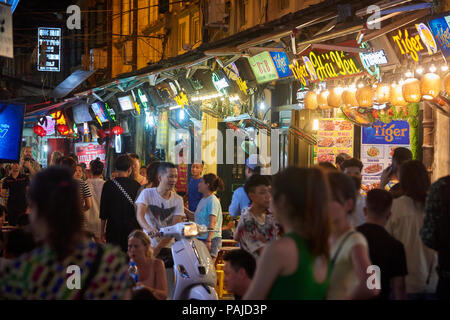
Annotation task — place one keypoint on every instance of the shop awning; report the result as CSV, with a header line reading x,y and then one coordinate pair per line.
x,y
71,83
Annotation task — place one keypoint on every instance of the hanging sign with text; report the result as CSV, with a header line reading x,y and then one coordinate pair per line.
x,y
441,31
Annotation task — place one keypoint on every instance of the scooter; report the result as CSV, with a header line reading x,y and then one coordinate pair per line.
x,y
195,274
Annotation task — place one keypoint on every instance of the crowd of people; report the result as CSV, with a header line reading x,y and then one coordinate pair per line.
x,y
304,233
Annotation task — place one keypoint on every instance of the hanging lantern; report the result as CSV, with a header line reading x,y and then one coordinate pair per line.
x,y
39,130
411,90
322,100
430,86
447,83
335,97
349,98
364,96
396,96
382,93
311,101
63,129
117,130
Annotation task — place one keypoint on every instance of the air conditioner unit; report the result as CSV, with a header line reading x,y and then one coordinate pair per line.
x,y
127,53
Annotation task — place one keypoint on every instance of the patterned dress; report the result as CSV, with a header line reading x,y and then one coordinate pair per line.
x,y
38,275
253,235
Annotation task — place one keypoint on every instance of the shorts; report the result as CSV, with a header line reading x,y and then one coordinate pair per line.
x,y
216,245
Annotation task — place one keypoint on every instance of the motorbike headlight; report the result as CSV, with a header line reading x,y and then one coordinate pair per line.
x,y
190,230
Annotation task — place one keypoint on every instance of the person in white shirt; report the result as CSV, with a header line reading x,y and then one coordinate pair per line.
x,y
158,208
92,216
408,212
349,250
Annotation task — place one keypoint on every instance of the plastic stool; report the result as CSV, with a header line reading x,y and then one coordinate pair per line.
x,y
219,285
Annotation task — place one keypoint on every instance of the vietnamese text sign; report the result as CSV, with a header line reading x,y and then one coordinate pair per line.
x,y
441,31
334,136
377,147
6,33
281,62
263,67
49,49
86,152
328,65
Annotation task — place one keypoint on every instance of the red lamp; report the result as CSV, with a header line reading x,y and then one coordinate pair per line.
x,y
40,131
63,129
117,130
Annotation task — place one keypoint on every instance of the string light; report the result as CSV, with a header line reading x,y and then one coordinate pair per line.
x,y
419,70
444,68
432,68
408,74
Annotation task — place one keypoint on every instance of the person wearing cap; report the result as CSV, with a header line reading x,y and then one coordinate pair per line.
x,y
240,199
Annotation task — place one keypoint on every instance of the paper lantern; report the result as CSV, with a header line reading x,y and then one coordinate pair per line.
x,y
349,98
430,86
447,83
396,96
117,130
364,96
63,129
39,130
335,97
311,101
382,93
322,100
411,90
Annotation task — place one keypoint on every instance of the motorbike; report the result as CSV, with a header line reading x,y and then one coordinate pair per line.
x,y
195,274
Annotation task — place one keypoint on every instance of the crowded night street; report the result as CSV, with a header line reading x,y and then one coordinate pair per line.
x,y
225,150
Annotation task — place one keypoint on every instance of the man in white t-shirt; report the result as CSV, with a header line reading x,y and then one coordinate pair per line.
x,y
158,208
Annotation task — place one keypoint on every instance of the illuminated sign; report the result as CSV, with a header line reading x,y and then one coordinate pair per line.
x,y
281,63
427,38
181,99
111,113
219,83
49,49
373,58
59,117
413,45
441,31
300,72
329,65
263,67
394,132
11,124
242,85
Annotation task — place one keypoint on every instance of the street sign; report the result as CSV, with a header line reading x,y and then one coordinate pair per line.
x,y
49,49
6,33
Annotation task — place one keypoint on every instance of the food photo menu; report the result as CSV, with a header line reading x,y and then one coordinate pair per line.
x,y
377,147
333,137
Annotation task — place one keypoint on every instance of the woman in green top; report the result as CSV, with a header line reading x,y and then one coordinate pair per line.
x,y
300,203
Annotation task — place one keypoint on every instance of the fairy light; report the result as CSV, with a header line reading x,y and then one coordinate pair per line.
x,y
419,70
433,68
444,68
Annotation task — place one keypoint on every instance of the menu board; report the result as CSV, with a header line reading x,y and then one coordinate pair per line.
x,y
377,147
333,137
